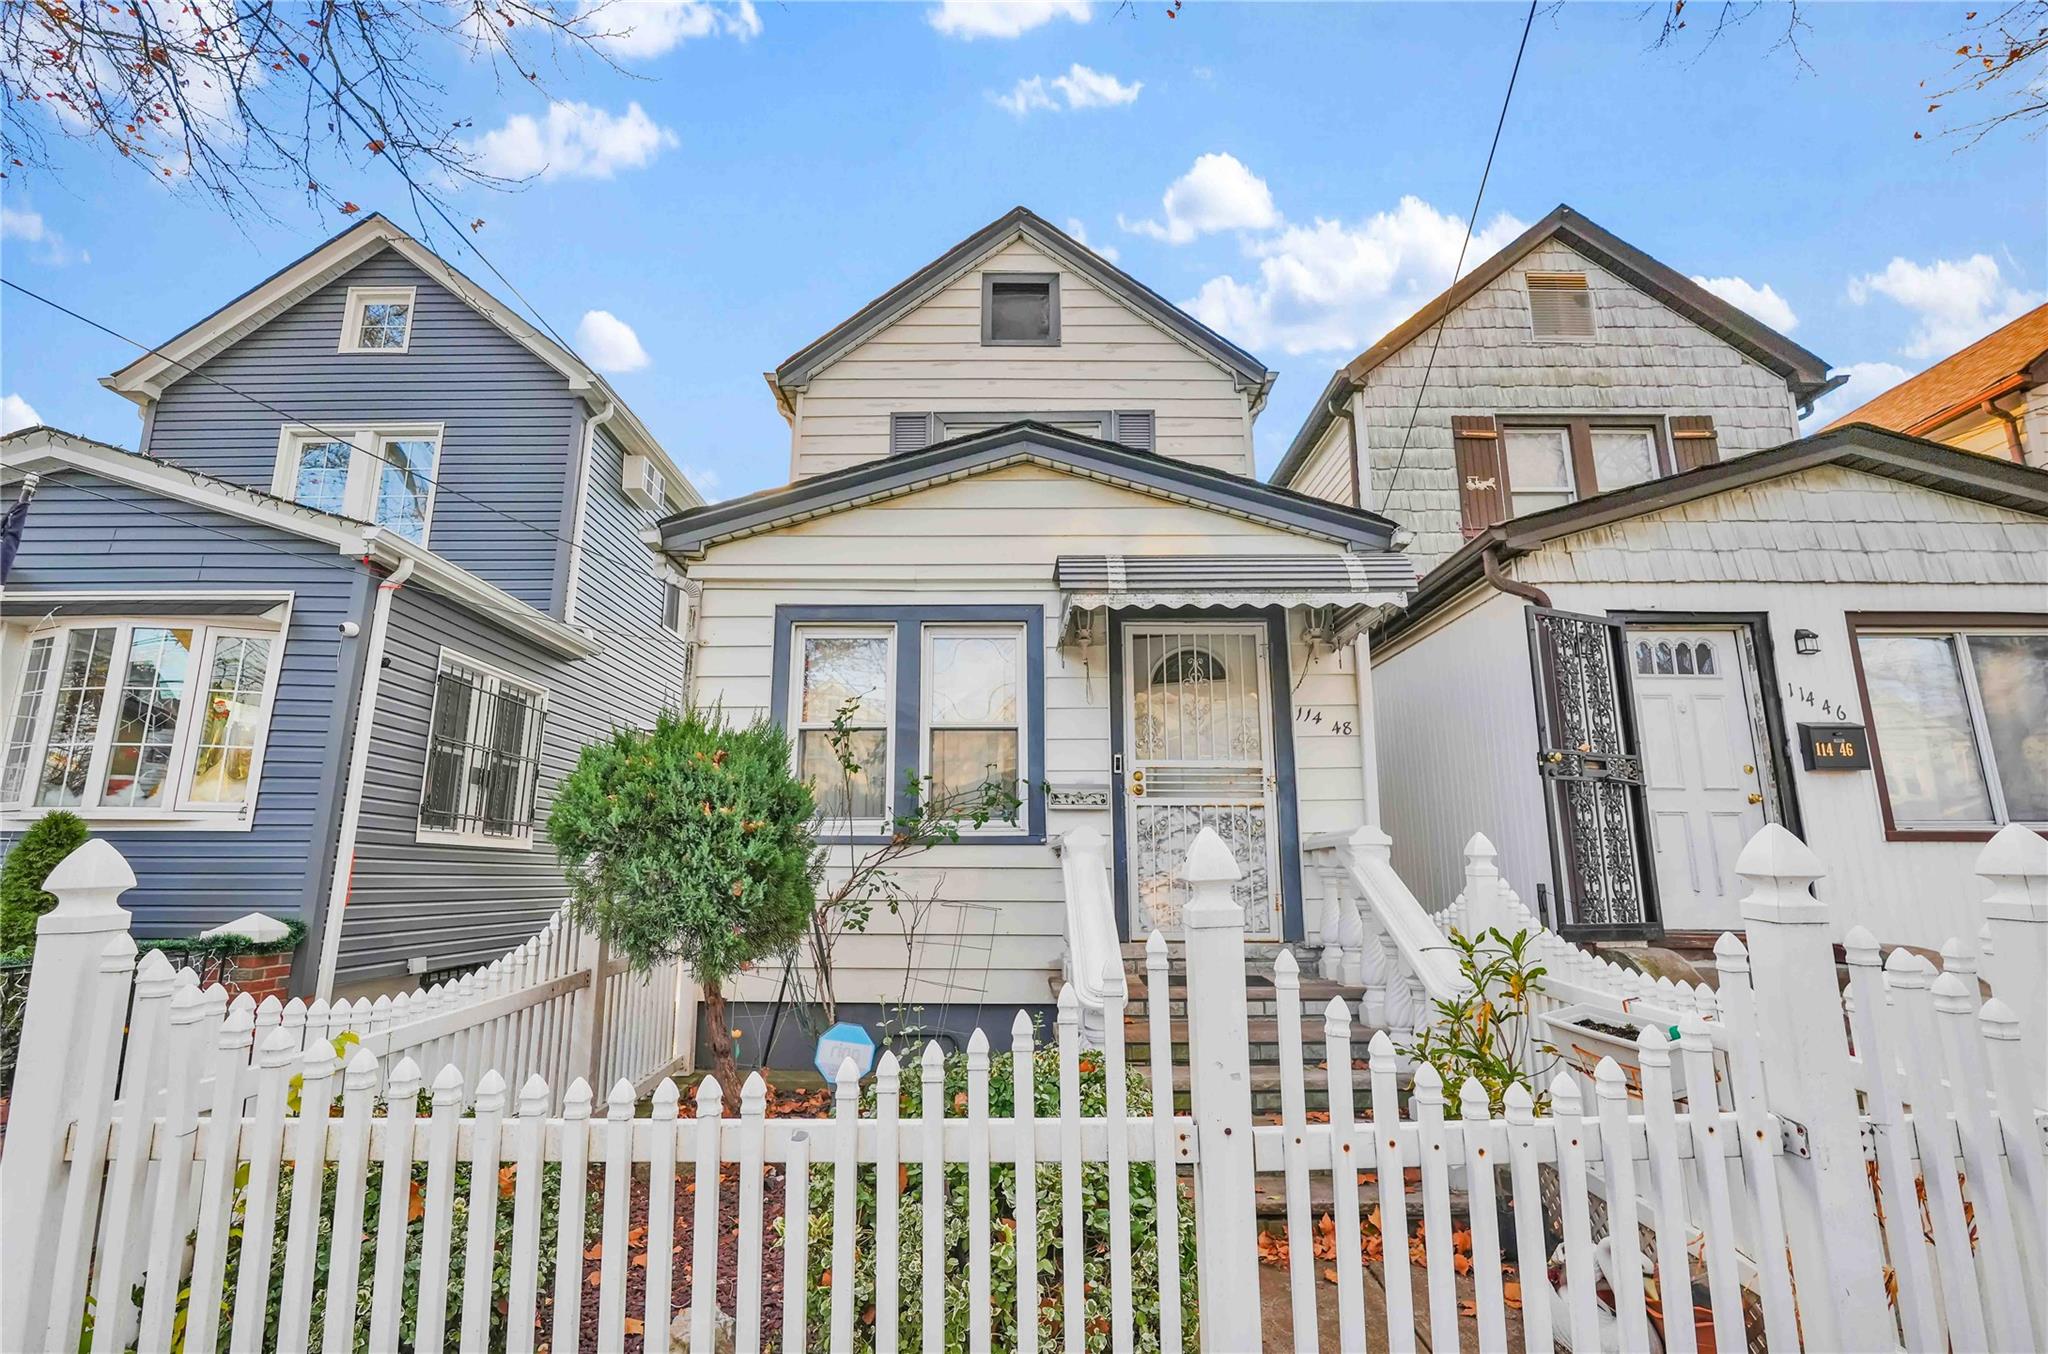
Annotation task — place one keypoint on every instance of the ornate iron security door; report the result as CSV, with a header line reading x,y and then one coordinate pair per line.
x,y
1592,776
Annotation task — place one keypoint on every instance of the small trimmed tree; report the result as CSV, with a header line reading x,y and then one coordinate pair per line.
x,y
691,841
23,899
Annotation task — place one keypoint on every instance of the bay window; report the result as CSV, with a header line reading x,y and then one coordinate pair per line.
x,y
973,715
483,756
382,475
844,700
139,719
1959,721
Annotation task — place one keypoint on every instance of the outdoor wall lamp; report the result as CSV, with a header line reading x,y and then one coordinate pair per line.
x,y
1805,641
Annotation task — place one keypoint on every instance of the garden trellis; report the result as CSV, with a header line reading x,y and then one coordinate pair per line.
x,y
219,1162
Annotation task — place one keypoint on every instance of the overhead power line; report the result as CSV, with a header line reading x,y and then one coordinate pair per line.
x,y
1471,223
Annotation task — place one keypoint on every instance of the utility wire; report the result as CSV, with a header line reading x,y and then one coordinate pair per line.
x,y
306,423
1471,222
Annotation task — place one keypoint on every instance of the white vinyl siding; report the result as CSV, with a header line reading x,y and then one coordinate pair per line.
x,y
991,539
932,358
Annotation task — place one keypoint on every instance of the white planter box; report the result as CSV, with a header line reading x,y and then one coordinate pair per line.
x,y
1584,1034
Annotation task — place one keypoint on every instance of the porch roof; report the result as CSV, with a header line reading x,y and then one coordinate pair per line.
x,y
1350,579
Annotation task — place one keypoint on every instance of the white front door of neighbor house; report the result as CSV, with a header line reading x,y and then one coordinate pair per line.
x,y
1198,752
1704,781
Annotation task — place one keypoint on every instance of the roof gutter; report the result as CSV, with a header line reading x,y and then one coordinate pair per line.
x,y
1489,564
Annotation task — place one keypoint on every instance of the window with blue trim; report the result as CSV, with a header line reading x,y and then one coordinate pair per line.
x,y
888,706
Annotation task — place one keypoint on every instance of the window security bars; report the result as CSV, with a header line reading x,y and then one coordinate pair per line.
x,y
483,755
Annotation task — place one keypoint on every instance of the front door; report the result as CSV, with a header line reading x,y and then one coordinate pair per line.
x,y
1701,772
1198,753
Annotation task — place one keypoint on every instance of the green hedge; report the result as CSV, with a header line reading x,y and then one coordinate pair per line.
x,y
195,948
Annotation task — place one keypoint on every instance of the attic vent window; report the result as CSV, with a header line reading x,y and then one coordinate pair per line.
x,y
377,320
1560,306
1020,309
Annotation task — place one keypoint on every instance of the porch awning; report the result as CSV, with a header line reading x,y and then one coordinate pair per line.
x,y
1349,580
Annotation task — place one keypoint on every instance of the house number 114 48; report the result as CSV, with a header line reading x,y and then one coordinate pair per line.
x,y
1311,720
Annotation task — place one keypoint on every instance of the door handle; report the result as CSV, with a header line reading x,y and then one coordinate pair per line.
x,y
1755,798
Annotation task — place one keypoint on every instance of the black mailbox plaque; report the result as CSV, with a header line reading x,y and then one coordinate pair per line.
x,y
1834,747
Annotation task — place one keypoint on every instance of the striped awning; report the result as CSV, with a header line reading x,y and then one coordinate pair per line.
x,y
1342,579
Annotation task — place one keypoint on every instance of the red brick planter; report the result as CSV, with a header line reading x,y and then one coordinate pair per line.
x,y
260,975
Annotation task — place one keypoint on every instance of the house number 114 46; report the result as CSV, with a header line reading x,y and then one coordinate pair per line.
x,y
1311,720
1801,695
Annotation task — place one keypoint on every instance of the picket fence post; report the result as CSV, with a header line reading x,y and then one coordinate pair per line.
x,y
586,1039
1485,908
2016,920
64,988
1837,1256
1219,1067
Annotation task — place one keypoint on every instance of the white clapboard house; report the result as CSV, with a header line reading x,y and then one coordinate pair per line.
x,y
1653,619
1022,531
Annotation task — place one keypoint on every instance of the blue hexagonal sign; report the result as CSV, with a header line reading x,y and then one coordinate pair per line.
x,y
843,1041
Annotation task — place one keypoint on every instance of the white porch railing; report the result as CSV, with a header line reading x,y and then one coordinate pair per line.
x,y
1092,966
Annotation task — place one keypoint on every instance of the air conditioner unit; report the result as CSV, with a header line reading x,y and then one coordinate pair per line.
x,y
643,484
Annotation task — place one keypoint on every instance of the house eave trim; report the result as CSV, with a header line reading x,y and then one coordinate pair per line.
x,y
689,534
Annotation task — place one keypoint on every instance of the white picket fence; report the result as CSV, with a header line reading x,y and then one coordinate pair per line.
x,y
1760,1190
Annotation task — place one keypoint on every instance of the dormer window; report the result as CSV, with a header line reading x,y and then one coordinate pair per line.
x,y
378,320
1560,306
1020,309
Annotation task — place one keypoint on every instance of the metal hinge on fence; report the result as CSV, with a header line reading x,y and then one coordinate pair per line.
x,y
1793,1134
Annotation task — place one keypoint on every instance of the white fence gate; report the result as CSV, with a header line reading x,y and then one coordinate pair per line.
x,y
1800,1171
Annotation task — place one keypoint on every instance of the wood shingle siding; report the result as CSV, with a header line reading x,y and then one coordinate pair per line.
x,y
89,534
932,358
511,421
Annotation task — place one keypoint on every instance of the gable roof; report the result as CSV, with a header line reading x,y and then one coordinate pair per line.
x,y
1805,373
796,371
692,532
1859,446
47,451
146,378
2006,359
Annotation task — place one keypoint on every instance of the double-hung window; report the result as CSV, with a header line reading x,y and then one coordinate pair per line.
x,y
383,475
1959,719
139,719
483,756
844,704
972,698
377,320
1549,463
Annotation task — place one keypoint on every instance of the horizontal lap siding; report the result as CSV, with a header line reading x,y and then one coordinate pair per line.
x,y
77,539
1805,550
454,904
511,420
1648,359
1108,357
1005,529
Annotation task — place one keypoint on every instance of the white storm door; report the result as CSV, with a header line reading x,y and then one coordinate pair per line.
x,y
1198,742
1703,786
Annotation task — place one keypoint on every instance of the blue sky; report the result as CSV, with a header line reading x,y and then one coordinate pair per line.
x,y
1299,173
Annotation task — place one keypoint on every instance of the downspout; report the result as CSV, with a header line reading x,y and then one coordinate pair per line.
x,y
1357,452
2012,430
1489,562
588,450
358,770
1368,728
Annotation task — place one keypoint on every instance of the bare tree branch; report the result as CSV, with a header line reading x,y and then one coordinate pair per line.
x,y
240,100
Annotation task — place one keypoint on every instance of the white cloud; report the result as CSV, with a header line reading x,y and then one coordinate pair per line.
x,y
1080,87
1762,302
1332,286
1867,380
1954,302
609,343
28,226
574,140
970,19
1217,193
650,28
17,413
1080,234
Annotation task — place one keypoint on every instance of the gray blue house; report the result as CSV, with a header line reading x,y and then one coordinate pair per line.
x,y
324,648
